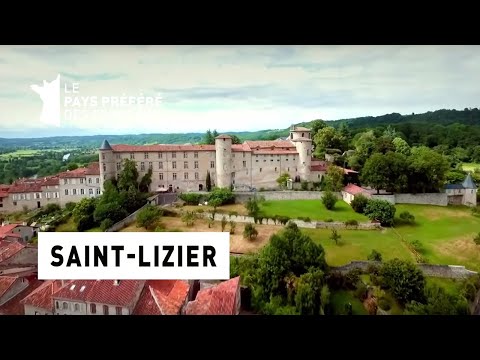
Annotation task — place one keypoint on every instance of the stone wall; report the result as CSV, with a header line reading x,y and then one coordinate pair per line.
x,y
441,271
241,197
439,199
300,223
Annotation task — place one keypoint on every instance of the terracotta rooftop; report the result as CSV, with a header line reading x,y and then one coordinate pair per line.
x,y
75,290
15,306
123,294
8,249
161,147
274,152
41,297
5,229
254,145
5,283
321,167
162,297
216,300
354,189
3,194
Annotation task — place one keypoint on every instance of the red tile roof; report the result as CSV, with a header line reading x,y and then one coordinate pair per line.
x,y
41,297
354,189
15,306
217,300
270,144
161,147
274,152
93,169
318,167
77,173
3,194
101,291
5,229
8,249
162,297
5,283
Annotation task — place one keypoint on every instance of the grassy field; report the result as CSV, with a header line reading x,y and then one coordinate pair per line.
x,y
358,244
314,209
446,234
70,226
470,166
20,153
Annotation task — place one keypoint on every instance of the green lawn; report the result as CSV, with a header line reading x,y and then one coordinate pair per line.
x,y
451,286
470,166
446,234
18,153
314,209
338,299
358,244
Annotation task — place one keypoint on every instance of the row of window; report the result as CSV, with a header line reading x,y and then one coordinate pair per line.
x,y
81,191
73,181
93,308
160,165
30,196
174,176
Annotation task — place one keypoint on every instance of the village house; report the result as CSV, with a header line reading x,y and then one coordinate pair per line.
x,y
462,194
11,286
351,190
163,297
21,232
253,164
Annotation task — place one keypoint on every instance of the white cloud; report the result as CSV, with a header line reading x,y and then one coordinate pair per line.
x,y
241,87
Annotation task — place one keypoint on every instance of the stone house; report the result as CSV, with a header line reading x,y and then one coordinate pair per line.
x,y
462,194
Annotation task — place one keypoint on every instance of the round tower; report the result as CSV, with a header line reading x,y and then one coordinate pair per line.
x,y
223,156
302,138
106,162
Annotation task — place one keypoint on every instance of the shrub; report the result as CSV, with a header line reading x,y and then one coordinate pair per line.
x,y
329,220
249,232
404,279
335,236
232,227
359,203
476,239
283,220
373,269
160,228
188,217
416,245
375,256
170,213
384,304
304,185
149,216
106,224
352,278
351,223
70,206
191,198
329,200
469,291
223,223
51,208
221,196
252,207
406,218
305,219
85,223
232,213
200,211
380,210
361,292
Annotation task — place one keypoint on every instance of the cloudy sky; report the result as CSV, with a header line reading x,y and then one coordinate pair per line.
x,y
231,88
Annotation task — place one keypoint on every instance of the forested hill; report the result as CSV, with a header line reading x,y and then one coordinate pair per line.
x,y
450,127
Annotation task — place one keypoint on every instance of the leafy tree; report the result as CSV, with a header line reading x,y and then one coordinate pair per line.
x,y
132,199
334,178
364,147
401,146
438,302
359,203
252,207
109,205
308,292
128,176
335,236
249,232
214,135
329,199
384,144
208,139
374,256
282,180
380,210
208,182
85,223
72,166
84,208
404,279
189,217
106,224
222,196
329,138
149,216
69,206
406,217
235,139
375,172
316,126
427,170
145,182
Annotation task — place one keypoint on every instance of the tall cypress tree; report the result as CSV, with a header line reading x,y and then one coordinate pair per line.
x,y
208,182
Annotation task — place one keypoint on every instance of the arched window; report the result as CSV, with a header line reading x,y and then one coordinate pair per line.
x,y
77,307
105,307
65,305
58,305
93,309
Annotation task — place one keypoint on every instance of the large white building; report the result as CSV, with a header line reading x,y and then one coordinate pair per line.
x,y
251,164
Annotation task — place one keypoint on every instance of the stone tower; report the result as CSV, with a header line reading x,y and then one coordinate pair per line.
x,y
107,163
302,138
470,191
223,166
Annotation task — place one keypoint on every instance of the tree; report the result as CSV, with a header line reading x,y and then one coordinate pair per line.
x,y
316,126
208,182
375,172
329,199
404,279
249,232
84,208
233,225
145,182
214,135
401,146
149,216
325,299
85,223
223,195
438,302
132,199
72,166
308,292
427,170
329,138
359,203
224,223
109,205
282,180
189,217
380,210
334,178
335,236
128,176
252,207
208,139
364,147
374,256
235,139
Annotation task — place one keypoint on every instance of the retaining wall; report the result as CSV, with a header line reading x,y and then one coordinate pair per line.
x,y
439,199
